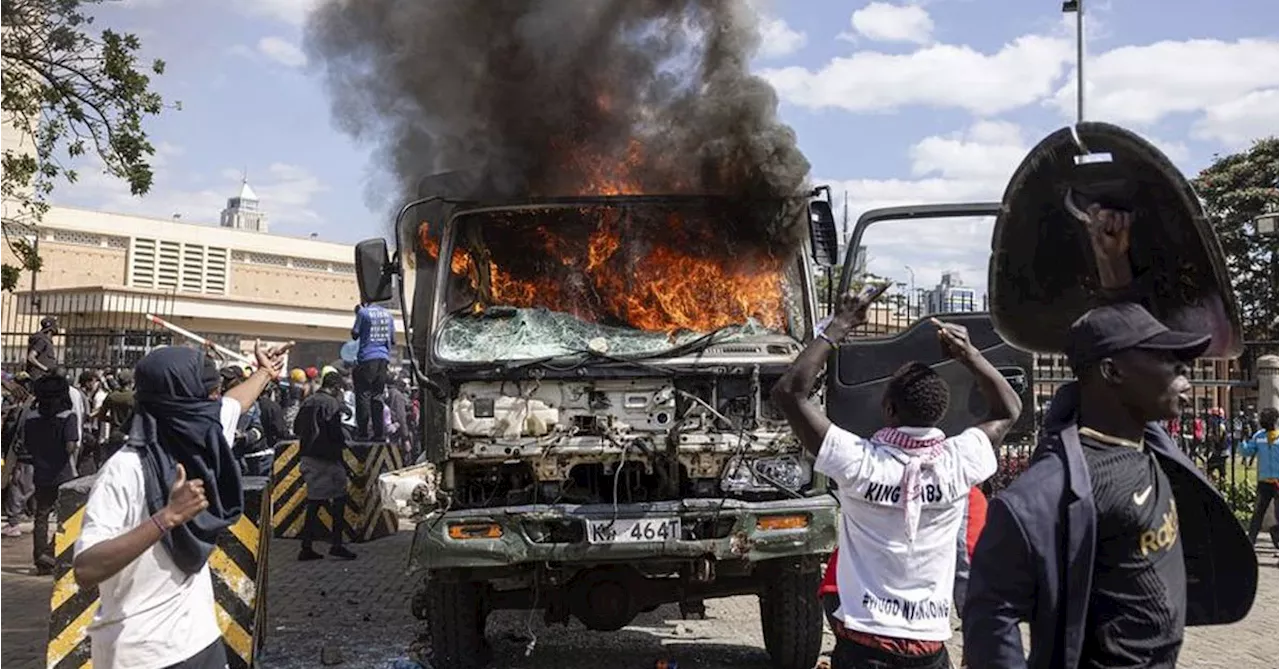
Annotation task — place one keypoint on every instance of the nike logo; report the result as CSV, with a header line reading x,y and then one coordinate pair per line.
x,y
1140,498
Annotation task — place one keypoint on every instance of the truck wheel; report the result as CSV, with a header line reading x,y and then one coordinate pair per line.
x,y
455,613
791,616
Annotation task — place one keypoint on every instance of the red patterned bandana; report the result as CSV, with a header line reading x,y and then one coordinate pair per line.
x,y
921,453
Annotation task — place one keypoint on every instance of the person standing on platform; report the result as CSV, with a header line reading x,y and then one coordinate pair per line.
x,y
375,330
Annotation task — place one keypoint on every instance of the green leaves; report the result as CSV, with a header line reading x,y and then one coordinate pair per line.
x,y
73,91
1236,189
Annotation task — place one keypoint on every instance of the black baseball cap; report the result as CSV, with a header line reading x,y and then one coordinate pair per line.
x,y
1108,330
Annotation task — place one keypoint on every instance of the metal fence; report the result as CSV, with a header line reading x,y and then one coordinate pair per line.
x,y
1220,416
98,328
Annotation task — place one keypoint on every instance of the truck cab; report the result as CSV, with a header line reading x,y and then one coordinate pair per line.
x,y
596,413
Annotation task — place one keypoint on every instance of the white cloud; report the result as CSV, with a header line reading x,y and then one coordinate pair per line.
x,y
1140,85
779,39
988,150
884,22
292,12
282,51
1240,121
940,75
973,165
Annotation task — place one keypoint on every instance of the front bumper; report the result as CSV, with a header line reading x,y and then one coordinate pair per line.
x,y
525,537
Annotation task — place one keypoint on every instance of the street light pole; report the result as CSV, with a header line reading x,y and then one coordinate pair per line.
x,y
911,295
1077,6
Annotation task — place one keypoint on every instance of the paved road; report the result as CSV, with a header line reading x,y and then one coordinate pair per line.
x,y
360,610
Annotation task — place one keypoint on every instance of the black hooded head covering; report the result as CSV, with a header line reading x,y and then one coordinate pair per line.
x,y
53,394
174,423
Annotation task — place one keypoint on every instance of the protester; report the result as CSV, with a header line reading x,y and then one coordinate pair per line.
x,y
1087,545
902,494
117,414
323,437
375,329
42,357
251,448
20,489
398,407
52,437
1111,540
1266,446
156,509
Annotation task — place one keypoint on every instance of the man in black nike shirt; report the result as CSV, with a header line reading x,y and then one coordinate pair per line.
x,y
1111,541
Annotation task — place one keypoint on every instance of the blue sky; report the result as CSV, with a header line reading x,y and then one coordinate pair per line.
x,y
893,102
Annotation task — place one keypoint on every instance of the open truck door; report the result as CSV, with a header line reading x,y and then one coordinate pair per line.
x,y
861,367
1042,273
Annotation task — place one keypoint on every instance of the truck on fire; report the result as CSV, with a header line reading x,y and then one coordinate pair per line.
x,y
596,413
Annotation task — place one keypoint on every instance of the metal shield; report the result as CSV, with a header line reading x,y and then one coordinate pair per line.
x,y
1042,271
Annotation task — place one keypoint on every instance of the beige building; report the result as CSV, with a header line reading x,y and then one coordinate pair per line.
x,y
103,273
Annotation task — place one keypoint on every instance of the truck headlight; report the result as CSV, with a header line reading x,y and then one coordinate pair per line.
x,y
792,472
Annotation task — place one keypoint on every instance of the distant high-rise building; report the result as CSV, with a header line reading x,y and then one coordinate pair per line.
x,y
243,212
950,295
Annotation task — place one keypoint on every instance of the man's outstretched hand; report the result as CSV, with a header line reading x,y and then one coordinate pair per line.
x,y
955,341
852,309
1109,232
271,359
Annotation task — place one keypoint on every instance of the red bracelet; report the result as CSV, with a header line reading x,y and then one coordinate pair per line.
x,y
157,522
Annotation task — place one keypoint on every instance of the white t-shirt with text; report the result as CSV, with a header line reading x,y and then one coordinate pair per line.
x,y
151,614
885,588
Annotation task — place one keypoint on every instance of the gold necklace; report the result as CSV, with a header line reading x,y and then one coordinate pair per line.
x,y
1110,439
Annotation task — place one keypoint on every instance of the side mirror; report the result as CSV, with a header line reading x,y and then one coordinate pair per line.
x,y
822,234
372,270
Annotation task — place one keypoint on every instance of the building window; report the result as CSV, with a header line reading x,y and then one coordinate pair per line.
x,y
169,265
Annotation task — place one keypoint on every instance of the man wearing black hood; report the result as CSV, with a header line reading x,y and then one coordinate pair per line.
x,y
156,509
52,436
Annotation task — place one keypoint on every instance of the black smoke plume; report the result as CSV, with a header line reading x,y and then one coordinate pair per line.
x,y
545,97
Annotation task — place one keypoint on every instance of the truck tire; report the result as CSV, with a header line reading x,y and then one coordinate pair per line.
x,y
453,636
791,616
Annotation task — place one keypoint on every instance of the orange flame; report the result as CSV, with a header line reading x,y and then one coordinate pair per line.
x,y
667,288
664,284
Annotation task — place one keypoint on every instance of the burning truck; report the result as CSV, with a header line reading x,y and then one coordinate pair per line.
x,y
598,425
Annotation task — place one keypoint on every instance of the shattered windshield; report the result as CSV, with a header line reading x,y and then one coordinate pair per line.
x,y
626,279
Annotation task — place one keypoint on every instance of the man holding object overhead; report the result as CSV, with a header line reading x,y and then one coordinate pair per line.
x,y
902,494
156,509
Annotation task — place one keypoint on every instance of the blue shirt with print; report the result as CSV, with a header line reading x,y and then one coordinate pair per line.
x,y
376,331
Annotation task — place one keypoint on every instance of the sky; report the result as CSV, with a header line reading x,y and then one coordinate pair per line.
x,y
893,102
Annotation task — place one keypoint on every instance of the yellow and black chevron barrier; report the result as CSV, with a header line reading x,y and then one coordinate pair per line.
x,y
365,518
238,566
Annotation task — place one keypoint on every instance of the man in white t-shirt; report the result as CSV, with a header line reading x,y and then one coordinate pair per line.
x,y
156,510
902,494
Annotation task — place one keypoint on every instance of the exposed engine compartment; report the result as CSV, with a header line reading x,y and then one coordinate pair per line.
x,y
626,440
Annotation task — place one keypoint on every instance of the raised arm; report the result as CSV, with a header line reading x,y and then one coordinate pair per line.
x,y
791,393
1005,405
270,364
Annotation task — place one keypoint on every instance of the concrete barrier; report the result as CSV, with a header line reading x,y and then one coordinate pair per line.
x,y
365,519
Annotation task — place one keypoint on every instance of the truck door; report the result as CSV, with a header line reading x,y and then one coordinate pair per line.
x,y
861,367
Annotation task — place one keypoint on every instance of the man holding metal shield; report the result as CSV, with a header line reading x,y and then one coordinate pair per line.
x,y
1112,540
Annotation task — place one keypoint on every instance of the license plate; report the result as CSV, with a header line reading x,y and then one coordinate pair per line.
x,y
633,531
